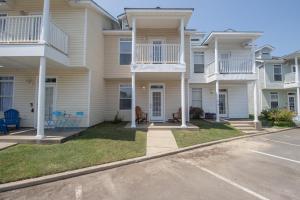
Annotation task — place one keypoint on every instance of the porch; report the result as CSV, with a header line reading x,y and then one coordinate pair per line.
x,y
52,136
163,126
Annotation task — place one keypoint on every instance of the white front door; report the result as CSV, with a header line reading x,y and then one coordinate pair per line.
x,y
157,51
156,103
223,104
292,102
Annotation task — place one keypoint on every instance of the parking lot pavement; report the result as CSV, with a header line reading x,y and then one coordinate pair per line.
x,y
253,168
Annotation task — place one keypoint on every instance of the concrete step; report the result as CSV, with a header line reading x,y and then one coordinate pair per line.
x,y
242,125
249,128
241,122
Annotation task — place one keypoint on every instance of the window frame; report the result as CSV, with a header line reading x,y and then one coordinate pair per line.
x,y
271,100
201,53
120,41
128,85
281,74
201,97
13,89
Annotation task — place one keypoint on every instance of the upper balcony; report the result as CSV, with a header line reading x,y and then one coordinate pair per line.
x,y
27,30
290,80
158,38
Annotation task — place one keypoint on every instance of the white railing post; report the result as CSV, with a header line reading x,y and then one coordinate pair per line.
x,y
297,70
41,99
217,101
182,41
253,57
255,101
183,116
216,57
45,22
133,39
133,124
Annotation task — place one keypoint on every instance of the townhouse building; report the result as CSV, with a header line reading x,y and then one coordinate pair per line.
x,y
278,80
72,55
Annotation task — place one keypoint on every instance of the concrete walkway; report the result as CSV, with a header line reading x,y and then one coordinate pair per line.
x,y
160,141
4,145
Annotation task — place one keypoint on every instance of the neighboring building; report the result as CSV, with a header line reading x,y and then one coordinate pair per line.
x,y
278,80
96,64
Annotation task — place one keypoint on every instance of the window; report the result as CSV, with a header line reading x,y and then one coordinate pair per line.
x,y
294,68
277,73
6,93
274,100
197,97
125,51
125,97
266,54
198,62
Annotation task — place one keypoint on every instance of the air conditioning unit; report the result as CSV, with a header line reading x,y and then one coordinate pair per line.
x,y
7,4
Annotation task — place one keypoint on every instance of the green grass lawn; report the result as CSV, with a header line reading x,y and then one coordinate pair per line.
x,y
98,145
208,132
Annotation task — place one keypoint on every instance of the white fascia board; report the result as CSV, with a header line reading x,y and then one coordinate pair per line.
x,y
57,56
23,50
212,35
117,32
265,46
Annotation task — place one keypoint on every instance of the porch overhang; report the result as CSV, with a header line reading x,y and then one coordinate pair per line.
x,y
158,68
231,77
158,17
19,52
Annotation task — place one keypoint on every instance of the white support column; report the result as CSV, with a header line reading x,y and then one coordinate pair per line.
x,y
41,100
217,101
182,41
255,103
297,70
133,125
45,22
133,61
253,57
298,103
183,114
216,56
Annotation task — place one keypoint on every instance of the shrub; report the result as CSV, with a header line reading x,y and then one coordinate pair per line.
x,y
117,119
196,113
278,117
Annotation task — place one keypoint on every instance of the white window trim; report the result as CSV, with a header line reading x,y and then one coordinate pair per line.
x,y
201,100
193,61
119,96
277,65
14,88
119,51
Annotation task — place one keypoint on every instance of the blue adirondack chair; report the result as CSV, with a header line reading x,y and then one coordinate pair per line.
x,y
3,127
12,117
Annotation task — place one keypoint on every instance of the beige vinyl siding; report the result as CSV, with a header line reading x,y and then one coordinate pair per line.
x,y
95,61
67,18
72,91
172,98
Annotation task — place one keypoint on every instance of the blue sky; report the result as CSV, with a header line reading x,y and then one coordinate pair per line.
x,y
278,19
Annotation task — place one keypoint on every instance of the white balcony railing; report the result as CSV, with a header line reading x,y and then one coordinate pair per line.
x,y
236,65
157,53
233,65
290,77
27,29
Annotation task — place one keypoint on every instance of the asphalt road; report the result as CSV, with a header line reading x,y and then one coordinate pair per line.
x,y
264,167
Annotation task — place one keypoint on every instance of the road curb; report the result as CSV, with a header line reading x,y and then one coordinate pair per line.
x,y
74,173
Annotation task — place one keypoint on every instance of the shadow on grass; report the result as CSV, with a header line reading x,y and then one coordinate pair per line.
x,y
108,131
211,125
